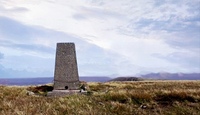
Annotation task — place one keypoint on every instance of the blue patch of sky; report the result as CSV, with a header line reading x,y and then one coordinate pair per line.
x,y
1,55
12,29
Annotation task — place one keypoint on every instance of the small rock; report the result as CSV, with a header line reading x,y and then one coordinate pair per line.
x,y
30,93
143,106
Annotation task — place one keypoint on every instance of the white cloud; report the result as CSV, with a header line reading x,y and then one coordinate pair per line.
x,y
138,32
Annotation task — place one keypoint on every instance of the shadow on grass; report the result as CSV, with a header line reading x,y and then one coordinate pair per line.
x,y
43,88
170,98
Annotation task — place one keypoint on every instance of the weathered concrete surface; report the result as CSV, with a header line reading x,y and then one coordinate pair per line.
x,y
66,70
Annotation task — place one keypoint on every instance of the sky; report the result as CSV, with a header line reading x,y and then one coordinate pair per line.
x,y
112,37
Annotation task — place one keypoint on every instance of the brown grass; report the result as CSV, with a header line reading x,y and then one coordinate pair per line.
x,y
112,98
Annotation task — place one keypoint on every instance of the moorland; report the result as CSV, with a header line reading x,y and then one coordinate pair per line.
x,y
156,97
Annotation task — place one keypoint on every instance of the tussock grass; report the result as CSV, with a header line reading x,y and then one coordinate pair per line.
x,y
111,98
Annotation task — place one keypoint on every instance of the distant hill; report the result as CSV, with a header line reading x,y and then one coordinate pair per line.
x,y
127,79
173,76
161,76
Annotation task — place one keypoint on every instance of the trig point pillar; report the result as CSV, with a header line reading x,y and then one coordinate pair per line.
x,y
66,71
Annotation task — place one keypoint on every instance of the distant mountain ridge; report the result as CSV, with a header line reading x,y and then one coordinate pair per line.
x,y
161,76
172,76
127,79
94,78
45,80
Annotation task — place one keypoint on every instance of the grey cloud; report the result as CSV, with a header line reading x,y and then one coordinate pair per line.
x,y
185,40
98,2
15,35
18,9
177,29
16,31
170,15
12,29
79,17
13,9
27,47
